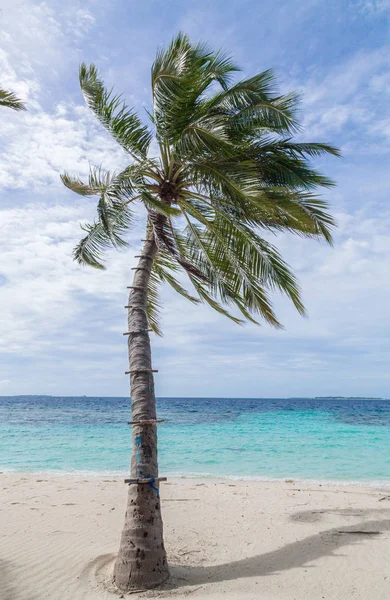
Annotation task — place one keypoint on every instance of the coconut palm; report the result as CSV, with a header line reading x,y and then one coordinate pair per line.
x,y
217,170
10,100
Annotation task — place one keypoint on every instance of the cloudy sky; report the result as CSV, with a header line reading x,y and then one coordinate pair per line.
x,y
61,325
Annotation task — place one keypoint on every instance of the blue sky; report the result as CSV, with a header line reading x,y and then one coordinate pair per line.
x,y
61,326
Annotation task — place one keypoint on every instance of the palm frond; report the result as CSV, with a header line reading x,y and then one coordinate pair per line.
x,y
301,149
217,66
228,170
234,180
76,185
213,303
171,63
181,74
233,256
251,105
90,249
114,220
10,100
115,192
110,109
164,266
153,203
283,169
301,213
274,114
167,241
122,186
153,306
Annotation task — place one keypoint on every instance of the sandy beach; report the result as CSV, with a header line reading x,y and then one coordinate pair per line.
x,y
269,540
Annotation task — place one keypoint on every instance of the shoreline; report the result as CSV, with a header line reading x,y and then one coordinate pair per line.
x,y
210,478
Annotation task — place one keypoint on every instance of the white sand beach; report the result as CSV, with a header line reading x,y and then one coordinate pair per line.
x,y
268,540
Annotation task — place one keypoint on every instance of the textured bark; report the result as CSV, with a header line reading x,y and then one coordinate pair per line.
x,y
141,562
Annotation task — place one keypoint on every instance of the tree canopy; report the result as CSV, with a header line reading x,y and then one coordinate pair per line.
x,y
216,168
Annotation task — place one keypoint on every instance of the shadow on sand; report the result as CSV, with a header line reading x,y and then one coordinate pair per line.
x,y
291,556
294,555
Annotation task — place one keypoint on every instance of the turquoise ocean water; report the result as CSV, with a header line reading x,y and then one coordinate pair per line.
x,y
320,439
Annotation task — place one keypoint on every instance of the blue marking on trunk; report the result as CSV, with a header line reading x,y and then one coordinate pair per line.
x,y
138,445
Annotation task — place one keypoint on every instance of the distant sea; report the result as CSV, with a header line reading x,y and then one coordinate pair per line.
x,y
309,439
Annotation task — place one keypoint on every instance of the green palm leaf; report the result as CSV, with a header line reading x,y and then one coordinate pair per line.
x,y
227,168
123,124
10,100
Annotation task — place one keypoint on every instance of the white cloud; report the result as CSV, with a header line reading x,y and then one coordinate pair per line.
x,y
24,88
39,145
42,289
79,20
371,7
50,137
31,38
355,93
39,36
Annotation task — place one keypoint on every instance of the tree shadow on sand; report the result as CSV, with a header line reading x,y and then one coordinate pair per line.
x,y
291,556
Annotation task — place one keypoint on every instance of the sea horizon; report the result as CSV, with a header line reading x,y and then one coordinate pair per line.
x,y
200,397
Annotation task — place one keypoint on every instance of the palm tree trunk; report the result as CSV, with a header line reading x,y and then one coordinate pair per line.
x,y
141,562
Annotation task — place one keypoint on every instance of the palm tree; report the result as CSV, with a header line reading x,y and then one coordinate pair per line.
x,y
10,100
222,170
